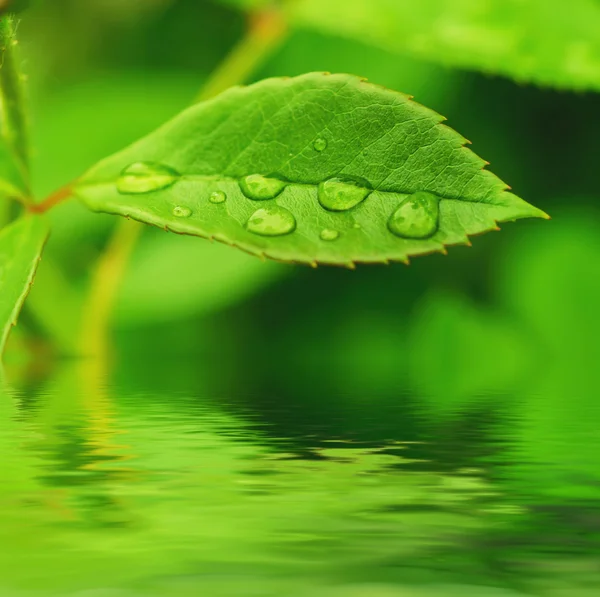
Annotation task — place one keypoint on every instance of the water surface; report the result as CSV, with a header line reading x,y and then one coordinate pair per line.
x,y
108,489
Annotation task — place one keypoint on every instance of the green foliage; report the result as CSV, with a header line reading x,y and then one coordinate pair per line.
x,y
315,169
548,43
389,431
21,245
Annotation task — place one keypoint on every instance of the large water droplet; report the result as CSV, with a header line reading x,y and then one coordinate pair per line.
x,y
320,144
145,177
328,234
218,197
337,194
417,216
179,211
261,188
273,220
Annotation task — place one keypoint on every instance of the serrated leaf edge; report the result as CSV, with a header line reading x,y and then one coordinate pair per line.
x,y
351,264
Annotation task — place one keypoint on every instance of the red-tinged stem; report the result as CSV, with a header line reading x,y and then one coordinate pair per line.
x,y
51,201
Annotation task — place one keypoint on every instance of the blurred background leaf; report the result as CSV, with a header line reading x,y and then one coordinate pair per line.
x,y
535,41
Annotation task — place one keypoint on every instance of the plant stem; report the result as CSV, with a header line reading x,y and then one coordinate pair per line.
x,y
13,118
4,213
106,279
266,31
52,200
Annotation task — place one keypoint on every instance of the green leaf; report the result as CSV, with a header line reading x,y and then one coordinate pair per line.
x,y
314,169
14,158
21,245
532,41
548,43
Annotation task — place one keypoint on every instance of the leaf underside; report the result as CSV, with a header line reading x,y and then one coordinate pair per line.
x,y
305,131
549,43
21,245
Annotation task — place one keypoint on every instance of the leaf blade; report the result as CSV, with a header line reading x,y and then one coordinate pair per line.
x,y
21,245
546,43
305,131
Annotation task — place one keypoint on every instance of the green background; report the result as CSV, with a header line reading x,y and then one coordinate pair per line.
x,y
498,343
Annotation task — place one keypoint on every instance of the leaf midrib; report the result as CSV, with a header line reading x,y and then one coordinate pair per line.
x,y
230,179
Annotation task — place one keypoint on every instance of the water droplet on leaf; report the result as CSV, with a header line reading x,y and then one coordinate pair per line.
x,y
320,144
145,177
328,234
261,188
182,212
273,220
337,194
417,216
217,197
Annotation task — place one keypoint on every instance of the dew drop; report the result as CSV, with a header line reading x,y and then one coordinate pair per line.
x,y
337,194
273,220
356,225
218,197
328,234
180,211
320,144
261,188
417,216
145,177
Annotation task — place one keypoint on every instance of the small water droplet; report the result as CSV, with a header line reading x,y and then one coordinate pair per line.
x,y
328,234
145,177
356,225
320,144
337,194
417,216
180,211
261,188
218,197
273,220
